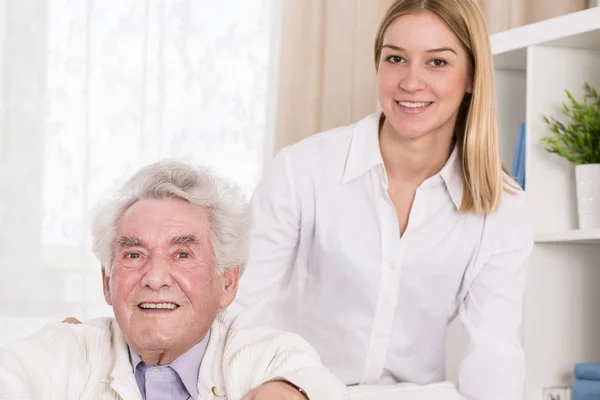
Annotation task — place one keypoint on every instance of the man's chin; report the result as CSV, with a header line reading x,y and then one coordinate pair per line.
x,y
154,340
151,334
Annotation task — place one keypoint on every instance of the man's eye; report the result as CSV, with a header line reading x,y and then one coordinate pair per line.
x,y
183,254
132,255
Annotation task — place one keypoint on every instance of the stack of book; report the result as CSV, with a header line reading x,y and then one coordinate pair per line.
x,y
587,381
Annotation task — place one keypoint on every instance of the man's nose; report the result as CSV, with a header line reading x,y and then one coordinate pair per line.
x,y
157,274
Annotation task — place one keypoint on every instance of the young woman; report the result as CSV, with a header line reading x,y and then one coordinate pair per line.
x,y
370,238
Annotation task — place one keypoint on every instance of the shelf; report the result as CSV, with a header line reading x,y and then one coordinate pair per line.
x,y
534,64
590,236
576,30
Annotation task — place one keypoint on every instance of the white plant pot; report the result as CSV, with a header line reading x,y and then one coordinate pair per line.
x,y
587,177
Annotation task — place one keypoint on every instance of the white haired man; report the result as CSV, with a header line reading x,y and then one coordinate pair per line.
x,y
172,244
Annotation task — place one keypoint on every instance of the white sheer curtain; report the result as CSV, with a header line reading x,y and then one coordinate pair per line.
x,y
91,91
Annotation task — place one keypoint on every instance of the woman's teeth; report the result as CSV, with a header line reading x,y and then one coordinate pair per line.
x,y
413,105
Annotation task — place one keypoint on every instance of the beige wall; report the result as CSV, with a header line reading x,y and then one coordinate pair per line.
x,y
538,10
503,14
326,72
506,14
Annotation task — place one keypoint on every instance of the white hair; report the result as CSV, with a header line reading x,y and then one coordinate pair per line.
x,y
229,212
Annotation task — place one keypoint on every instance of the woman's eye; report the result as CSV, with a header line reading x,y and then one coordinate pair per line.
x,y
394,59
438,62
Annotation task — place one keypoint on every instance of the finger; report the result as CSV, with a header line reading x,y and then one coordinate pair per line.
x,y
71,320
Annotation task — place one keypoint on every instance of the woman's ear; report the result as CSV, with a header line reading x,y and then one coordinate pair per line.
x,y
470,79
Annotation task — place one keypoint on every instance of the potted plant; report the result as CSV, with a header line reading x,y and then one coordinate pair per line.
x,y
578,141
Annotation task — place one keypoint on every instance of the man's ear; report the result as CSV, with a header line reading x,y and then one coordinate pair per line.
x,y
106,287
230,279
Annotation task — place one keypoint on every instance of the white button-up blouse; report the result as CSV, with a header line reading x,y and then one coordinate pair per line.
x,y
327,262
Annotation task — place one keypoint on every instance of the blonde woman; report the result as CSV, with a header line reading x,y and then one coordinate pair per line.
x,y
371,238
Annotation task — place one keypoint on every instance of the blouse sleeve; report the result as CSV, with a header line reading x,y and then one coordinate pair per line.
x,y
493,366
273,247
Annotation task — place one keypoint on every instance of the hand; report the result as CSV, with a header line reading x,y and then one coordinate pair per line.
x,y
275,390
71,320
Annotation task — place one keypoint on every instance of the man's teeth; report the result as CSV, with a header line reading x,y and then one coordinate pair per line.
x,y
413,105
165,306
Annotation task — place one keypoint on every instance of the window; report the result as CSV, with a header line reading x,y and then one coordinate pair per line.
x,y
113,86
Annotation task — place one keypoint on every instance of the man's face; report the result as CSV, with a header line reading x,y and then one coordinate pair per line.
x,y
163,286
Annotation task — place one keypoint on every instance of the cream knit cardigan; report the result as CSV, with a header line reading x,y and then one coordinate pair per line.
x,y
91,361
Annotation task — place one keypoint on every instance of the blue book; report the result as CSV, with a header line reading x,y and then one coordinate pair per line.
x,y
587,371
514,170
518,164
586,390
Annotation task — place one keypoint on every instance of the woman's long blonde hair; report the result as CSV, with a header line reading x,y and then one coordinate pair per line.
x,y
476,132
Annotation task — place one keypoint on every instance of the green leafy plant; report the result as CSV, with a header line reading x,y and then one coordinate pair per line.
x,y
578,140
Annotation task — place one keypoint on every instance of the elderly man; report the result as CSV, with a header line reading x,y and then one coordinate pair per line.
x,y
172,245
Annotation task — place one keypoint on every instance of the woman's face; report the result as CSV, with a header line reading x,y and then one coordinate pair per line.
x,y
422,77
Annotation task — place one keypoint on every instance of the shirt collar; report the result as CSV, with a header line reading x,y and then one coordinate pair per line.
x,y
187,365
134,358
451,174
364,154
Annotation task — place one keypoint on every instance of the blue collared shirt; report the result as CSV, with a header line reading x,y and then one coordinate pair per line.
x,y
175,381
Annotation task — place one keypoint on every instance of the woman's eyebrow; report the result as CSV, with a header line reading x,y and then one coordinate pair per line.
x,y
436,50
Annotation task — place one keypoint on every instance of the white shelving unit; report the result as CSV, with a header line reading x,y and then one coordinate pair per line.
x,y
534,66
